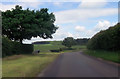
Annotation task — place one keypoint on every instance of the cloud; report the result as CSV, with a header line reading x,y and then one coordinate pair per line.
x,y
80,28
27,1
102,25
4,7
61,34
92,3
31,5
76,15
57,3
55,0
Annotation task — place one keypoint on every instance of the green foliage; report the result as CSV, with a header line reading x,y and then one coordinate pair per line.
x,y
54,45
27,48
69,42
57,45
107,40
82,41
107,55
7,45
19,24
12,48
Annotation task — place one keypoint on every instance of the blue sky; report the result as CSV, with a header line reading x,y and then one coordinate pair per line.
x,y
74,19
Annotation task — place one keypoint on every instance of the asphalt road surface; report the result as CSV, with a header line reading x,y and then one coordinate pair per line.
x,y
77,64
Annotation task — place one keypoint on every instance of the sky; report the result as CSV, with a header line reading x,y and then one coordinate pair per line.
x,y
77,19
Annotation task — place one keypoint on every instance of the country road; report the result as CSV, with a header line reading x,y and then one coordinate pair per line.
x,y
77,64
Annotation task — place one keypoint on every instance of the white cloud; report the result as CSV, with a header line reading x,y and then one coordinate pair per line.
x,y
31,5
54,0
80,28
93,0
28,1
57,3
4,7
102,25
61,34
75,15
69,34
92,3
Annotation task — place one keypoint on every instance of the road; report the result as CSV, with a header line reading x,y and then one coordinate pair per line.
x,y
77,64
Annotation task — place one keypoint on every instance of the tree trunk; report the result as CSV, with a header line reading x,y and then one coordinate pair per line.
x,y
21,41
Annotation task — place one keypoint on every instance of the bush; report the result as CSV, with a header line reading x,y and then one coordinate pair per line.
x,y
7,47
69,42
13,48
27,48
17,48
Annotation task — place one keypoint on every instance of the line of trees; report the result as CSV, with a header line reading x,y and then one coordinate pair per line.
x,y
70,41
82,41
106,40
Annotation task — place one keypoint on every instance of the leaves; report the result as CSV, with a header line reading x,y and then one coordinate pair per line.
x,y
21,24
68,42
107,40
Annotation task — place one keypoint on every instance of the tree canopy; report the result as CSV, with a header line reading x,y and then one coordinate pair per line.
x,y
69,42
19,24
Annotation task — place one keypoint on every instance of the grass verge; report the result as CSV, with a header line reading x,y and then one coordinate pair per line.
x,y
25,65
106,55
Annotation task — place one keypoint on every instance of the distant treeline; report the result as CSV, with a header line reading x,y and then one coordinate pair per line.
x,y
81,41
41,42
106,40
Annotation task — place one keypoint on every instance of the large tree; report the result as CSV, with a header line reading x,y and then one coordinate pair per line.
x,y
69,42
19,24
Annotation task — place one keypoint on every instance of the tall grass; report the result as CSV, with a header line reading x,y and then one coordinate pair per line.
x,y
107,55
25,65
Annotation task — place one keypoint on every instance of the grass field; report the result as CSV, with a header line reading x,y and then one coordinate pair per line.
x,y
56,45
107,55
25,65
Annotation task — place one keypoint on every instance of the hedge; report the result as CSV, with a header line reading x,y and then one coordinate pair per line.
x,y
106,40
27,48
55,50
13,48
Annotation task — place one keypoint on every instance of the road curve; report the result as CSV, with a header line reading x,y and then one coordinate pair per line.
x,y
77,64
